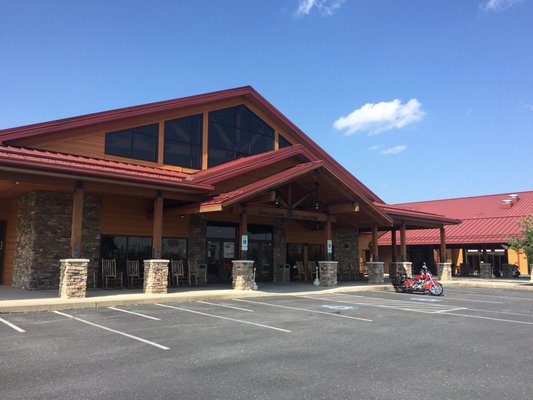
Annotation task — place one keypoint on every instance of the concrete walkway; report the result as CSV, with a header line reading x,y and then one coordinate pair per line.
x,y
19,300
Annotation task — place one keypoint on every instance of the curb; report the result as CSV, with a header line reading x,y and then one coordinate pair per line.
x,y
56,304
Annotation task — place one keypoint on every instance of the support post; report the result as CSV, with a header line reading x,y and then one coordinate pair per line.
x,y
244,232
403,243
442,245
393,244
329,242
77,221
157,231
375,251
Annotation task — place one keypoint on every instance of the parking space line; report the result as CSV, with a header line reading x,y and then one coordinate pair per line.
x,y
225,305
114,331
15,327
451,309
134,313
394,306
304,309
501,312
488,295
221,317
474,301
489,318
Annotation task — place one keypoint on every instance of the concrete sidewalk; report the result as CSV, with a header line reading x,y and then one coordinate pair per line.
x,y
18,300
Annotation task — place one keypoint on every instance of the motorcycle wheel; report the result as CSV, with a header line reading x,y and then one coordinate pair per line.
x,y
399,289
436,289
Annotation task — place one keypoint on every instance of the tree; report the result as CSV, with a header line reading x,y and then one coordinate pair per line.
x,y
523,241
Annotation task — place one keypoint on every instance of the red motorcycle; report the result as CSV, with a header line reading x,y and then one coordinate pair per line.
x,y
422,283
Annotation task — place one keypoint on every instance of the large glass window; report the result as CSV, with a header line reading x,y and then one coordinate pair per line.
x,y
183,142
139,142
282,142
237,132
174,249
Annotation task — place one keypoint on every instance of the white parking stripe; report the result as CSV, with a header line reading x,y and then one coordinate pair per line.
x,y
394,306
488,295
226,318
304,309
226,306
491,319
114,331
501,312
134,313
15,327
474,301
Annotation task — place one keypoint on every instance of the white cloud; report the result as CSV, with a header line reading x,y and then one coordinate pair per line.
x,y
376,147
325,7
394,150
497,5
379,117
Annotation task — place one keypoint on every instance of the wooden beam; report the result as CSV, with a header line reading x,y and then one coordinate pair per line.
x,y
328,238
302,199
393,244
375,251
274,212
403,244
77,222
157,231
205,126
442,245
343,208
243,230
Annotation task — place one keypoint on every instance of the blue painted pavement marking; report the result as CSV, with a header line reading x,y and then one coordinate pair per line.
x,y
338,307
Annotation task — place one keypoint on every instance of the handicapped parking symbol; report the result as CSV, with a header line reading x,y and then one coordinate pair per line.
x,y
337,307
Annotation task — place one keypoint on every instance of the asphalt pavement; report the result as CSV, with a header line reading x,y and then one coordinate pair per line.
x,y
471,343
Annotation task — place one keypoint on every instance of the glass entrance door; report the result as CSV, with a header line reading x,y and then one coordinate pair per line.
x,y
260,250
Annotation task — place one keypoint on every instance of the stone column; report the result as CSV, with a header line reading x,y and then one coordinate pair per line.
x,y
73,278
279,246
375,272
328,273
485,271
405,266
243,274
507,270
155,276
444,271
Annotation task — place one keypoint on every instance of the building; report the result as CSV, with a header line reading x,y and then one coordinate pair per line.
x,y
487,221
186,179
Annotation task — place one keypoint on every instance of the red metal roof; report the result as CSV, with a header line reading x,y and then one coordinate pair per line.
x,y
22,158
10,134
400,212
234,168
252,189
484,219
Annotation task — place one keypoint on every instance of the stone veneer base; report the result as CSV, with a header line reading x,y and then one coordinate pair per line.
x,y
375,272
155,276
243,274
73,278
328,273
444,271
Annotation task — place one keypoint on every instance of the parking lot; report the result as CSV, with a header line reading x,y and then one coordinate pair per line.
x,y
468,344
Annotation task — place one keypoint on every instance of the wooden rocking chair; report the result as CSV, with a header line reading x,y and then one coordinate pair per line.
x,y
110,274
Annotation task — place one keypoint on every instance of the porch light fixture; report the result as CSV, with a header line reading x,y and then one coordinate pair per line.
x,y
317,226
276,199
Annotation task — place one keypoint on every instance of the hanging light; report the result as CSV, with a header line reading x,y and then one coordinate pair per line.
x,y
276,199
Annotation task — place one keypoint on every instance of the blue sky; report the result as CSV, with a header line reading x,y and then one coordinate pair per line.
x,y
419,99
